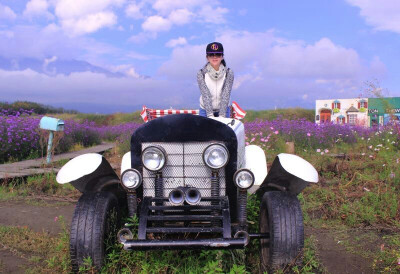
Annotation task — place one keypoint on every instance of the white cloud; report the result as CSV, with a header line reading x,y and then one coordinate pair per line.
x,y
181,12
132,73
37,8
52,41
46,62
139,56
323,58
156,23
180,16
90,88
184,62
266,65
382,15
73,9
269,70
142,37
81,17
176,42
7,13
214,15
133,11
239,80
89,23
128,70
51,28
7,34
166,6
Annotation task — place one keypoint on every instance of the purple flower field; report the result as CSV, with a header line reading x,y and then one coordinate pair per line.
x,y
305,133
20,136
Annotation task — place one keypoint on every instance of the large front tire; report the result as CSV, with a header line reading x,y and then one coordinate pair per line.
x,y
94,217
281,217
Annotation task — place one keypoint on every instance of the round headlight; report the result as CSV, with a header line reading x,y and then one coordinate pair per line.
x,y
244,178
131,178
153,158
216,156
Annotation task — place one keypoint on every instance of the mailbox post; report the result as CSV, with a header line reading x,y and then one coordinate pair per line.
x,y
51,124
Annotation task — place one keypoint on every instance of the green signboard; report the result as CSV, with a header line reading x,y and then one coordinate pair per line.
x,y
382,110
381,106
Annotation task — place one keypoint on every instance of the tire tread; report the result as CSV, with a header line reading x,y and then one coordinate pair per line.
x,y
285,222
88,228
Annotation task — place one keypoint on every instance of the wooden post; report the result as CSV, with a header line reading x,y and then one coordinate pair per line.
x,y
290,147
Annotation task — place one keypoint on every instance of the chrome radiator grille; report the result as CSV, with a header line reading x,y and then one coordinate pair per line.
x,y
184,167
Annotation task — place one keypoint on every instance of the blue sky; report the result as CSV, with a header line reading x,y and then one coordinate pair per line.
x,y
117,55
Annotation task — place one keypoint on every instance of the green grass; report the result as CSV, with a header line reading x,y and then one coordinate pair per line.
x,y
48,254
388,260
205,261
6,194
43,184
358,194
105,119
59,163
361,194
119,118
310,263
355,194
202,261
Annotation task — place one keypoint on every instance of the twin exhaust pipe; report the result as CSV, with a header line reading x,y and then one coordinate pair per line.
x,y
179,195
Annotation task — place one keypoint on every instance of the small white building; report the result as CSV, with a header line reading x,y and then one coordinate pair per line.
x,y
342,111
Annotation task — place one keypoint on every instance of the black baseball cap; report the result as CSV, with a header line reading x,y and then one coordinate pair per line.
x,y
215,47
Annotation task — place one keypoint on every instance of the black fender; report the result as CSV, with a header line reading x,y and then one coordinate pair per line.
x,y
89,172
288,173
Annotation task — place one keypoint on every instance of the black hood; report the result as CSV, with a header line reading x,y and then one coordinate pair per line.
x,y
181,128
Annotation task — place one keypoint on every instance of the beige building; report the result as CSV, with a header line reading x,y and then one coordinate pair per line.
x,y
342,111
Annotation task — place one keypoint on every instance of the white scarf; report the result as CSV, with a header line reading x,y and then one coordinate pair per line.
x,y
216,75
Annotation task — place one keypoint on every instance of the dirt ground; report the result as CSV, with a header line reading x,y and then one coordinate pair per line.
x,y
335,257
42,216
39,216
12,263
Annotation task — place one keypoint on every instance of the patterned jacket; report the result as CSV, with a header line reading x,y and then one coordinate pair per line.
x,y
206,95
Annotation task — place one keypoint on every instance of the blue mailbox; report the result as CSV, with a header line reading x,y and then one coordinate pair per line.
x,y
51,124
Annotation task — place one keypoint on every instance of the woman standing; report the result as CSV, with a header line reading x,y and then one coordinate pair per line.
x,y
215,82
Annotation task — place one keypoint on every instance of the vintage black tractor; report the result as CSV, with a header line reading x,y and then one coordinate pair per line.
x,y
187,180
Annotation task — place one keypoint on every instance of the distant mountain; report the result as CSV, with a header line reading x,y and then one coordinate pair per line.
x,y
103,108
53,66
68,107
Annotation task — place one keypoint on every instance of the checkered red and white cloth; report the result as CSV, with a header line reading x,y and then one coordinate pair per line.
x,y
149,114
238,112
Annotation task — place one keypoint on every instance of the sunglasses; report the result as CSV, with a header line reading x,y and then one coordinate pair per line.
x,y
214,54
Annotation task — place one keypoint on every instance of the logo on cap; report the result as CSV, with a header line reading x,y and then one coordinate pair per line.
x,y
214,47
